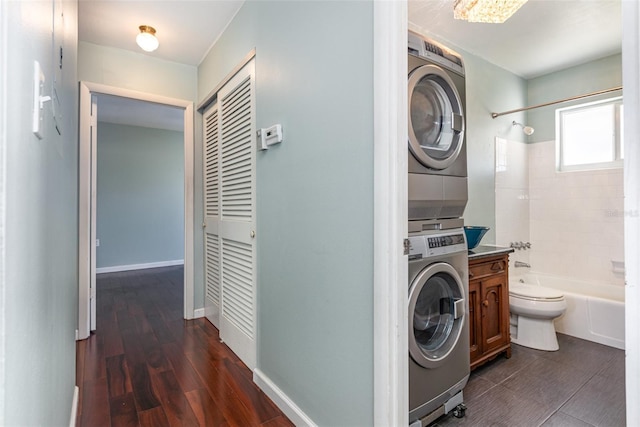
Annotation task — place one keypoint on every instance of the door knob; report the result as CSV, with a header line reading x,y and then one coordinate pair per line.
x,y
252,234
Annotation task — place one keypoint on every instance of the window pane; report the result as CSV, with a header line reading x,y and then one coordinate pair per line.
x,y
588,136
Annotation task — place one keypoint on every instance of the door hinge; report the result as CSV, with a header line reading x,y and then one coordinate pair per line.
x,y
407,246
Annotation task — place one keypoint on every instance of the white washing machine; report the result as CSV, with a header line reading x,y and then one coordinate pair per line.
x,y
438,323
437,160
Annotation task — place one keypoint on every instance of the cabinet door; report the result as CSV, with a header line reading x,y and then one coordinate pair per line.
x,y
495,312
475,321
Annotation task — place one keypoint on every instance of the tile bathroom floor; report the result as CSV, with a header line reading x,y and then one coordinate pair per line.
x,y
582,384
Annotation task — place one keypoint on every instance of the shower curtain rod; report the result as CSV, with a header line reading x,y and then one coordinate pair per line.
x,y
573,98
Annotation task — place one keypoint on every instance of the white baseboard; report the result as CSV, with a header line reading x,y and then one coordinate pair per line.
x,y
74,407
282,401
129,267
198,313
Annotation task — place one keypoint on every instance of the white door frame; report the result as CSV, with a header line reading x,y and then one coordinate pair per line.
x,y
631,83
85,215
390,275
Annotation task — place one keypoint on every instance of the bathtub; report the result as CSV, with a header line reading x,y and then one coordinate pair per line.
x,y
594,312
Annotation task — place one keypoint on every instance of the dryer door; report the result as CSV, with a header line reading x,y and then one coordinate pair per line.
x,y
436,314
436,119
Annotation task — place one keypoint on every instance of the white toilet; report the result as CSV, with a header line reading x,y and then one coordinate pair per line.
x,y
533,309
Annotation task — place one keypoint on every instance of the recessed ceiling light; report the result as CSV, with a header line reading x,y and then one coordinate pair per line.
x,y
147,38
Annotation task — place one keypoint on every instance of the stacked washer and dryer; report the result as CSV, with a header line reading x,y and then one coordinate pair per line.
x,y
438,255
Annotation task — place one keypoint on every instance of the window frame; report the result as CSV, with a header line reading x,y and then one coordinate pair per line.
x,y
618,148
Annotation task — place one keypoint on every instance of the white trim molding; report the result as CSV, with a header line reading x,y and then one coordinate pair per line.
x,y
631,84
282,401
198,313
390,334
74,407
144,266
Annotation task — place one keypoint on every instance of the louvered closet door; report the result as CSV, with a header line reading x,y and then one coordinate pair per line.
x,y
231,269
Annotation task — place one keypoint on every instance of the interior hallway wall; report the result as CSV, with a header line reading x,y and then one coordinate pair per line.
x,y
140,186
38,216
314,198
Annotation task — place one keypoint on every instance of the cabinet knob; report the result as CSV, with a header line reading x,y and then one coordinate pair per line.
x,y
485,303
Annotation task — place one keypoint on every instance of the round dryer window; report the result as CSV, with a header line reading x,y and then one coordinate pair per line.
x,y
436,314
436,119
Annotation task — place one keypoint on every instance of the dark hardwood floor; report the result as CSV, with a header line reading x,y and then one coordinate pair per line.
x,y
146,366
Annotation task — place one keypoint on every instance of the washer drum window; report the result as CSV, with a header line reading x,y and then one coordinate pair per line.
x,y
436,119
436,314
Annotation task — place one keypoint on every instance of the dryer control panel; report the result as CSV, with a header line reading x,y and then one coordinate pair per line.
x,y
432,244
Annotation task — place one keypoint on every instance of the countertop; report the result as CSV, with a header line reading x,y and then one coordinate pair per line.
x,y
488,250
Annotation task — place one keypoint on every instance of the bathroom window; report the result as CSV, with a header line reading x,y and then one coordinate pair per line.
x,y
589,136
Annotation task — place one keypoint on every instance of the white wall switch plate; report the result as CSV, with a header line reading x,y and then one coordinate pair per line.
x,y
38,100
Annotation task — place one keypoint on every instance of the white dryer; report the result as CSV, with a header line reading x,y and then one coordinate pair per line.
x,y
437,160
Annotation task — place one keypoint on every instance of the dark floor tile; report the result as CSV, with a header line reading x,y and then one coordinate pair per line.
x,y
547,382
563,420
500,407
582,354
502,368
614,368
476,387
600,402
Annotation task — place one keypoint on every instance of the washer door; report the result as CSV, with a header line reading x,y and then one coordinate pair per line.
x,y
436,314
436,119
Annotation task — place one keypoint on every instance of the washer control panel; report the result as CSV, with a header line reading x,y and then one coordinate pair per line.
x,y
432,244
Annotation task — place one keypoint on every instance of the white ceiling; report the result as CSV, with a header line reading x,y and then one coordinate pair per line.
x,y
125,111
542,37
186,29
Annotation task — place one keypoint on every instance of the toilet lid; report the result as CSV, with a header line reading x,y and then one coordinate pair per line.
x,y
534,292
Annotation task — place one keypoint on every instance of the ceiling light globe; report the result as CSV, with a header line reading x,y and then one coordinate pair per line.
x,y
147,42
147,39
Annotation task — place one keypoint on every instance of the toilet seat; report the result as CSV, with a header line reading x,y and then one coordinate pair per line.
x,y
534,293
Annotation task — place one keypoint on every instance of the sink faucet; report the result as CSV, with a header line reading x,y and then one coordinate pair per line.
x,y
521,264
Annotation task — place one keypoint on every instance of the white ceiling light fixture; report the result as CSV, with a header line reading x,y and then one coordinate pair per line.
x,y
488,11
147,38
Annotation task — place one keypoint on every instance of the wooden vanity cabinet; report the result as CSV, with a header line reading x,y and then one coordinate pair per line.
x,y
489,308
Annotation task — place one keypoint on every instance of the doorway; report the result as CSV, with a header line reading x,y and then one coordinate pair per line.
x,y
89,93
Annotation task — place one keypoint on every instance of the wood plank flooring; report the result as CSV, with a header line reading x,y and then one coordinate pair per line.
x,y
146,366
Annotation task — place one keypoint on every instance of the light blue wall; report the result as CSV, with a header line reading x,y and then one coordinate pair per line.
x,y
593,76
38,220
135,71
140,205
314,75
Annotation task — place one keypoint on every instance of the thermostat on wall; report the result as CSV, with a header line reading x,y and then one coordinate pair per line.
x,y
269,136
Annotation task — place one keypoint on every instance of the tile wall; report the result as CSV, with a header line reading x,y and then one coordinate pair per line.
x,y
574,220
512,197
